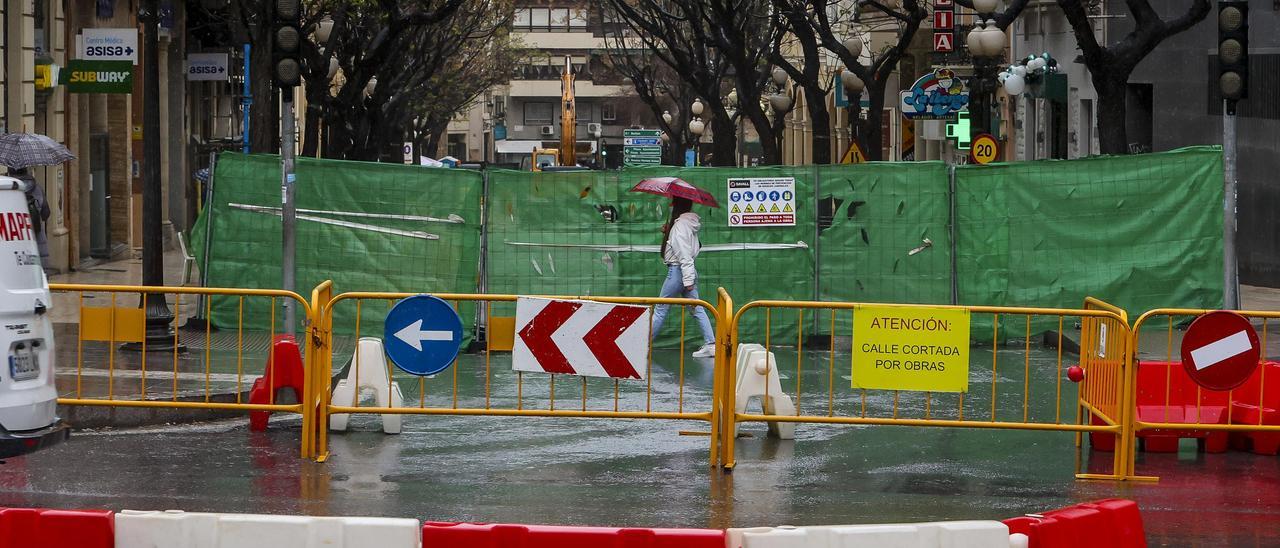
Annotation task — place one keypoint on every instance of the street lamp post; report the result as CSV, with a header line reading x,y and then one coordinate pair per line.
x,y
986,44
696,127
159,334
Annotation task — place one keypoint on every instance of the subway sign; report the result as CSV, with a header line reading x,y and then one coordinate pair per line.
x,y
83,76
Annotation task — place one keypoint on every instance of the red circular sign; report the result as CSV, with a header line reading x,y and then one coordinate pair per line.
x,y
1220,350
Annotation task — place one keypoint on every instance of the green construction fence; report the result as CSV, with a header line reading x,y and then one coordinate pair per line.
x,y
1140,231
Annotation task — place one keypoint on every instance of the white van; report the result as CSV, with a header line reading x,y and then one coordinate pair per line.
x,y
28,397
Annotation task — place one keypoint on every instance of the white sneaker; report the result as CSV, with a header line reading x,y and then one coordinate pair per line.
x,y
707,351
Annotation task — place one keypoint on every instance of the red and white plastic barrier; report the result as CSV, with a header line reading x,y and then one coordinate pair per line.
x,y
1111,523
476,535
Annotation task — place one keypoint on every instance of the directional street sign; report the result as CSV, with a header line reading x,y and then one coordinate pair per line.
x,y
207,66
1220,350
422,335
581,338
641,147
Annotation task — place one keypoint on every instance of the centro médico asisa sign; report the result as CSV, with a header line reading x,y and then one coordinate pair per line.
x,y
911,348
938,95
81,76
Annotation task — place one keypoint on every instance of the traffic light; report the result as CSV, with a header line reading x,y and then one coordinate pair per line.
x,y
286,42
1233,51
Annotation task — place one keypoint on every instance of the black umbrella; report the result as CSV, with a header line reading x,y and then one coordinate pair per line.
x,y
19,150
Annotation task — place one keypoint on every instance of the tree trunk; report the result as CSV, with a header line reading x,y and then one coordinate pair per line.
x,y
820,120
264,127
311,134
1112,135
869,131
724,146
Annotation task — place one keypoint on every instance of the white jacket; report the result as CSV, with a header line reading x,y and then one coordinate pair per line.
x,y
683,246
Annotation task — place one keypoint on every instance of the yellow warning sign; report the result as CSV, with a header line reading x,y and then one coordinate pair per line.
x,y
775,209
749,210
909,348
853,154
735,209
786,208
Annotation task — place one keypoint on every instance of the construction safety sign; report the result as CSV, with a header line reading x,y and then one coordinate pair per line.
x,y
910,348
762,202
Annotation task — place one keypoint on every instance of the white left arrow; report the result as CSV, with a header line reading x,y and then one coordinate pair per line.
x,y
413,335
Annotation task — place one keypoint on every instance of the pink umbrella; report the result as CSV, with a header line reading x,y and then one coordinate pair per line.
x,y
675,187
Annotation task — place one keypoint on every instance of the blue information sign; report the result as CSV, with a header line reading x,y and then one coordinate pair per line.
x,y
422,335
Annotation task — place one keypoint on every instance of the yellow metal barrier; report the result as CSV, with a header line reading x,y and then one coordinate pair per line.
x,y
1025,391
1159,326
200,369
485,388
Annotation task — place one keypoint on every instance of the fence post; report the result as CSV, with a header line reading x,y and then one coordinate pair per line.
x,y
951,227
482,314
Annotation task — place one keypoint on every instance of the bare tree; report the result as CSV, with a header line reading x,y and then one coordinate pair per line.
x,y
809,76
383,39
1110,66
658,85
680,34
875,76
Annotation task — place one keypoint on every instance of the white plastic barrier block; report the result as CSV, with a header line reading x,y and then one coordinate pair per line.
x,y
176,529
369,367
758,376
943,534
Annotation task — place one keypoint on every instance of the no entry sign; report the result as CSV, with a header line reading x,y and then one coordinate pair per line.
x,y
1220,350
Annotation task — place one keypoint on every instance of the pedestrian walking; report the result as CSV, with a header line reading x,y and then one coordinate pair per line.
x,y
680,247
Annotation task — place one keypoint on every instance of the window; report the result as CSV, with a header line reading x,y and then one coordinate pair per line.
x,y
537,113
522,18
559,18
540,18
578,19
608,112
584,113
458,146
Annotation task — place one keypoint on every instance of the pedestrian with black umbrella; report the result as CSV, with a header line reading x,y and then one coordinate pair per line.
x,y
20,151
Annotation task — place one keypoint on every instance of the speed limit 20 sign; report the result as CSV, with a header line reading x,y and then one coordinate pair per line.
x,y
985,149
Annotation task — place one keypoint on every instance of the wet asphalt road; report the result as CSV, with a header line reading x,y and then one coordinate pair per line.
x,y
635,473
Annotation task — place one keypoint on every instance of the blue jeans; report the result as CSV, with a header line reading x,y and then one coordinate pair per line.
x,y
673,287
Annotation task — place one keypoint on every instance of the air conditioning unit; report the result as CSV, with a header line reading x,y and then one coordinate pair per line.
x,y
593,128
548,130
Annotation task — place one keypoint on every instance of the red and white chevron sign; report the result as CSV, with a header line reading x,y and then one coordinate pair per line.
x,y
581,338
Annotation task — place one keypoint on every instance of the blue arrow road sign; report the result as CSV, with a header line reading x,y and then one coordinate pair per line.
x,y
422,335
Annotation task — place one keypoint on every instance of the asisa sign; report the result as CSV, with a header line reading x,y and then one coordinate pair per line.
x,y
937,95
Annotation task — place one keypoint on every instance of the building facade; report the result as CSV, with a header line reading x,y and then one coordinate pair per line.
x,y
96,199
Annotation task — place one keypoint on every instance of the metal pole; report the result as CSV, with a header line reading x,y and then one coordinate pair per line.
x,y
288,208
159,335
246,102
1230,269
951,227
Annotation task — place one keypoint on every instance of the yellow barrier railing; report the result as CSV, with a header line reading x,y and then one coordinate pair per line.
x,y
190,369
487,388
1010,399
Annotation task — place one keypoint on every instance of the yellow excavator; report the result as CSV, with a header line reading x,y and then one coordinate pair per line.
x,y
566,155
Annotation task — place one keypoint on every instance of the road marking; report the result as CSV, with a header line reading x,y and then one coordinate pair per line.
x,y
1223,349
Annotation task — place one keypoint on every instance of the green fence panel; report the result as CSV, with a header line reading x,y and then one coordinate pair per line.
x,y
884,236
366,226
1141,232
